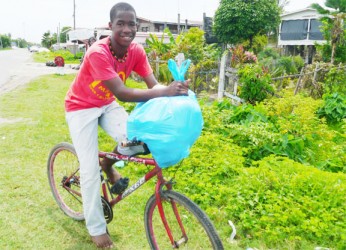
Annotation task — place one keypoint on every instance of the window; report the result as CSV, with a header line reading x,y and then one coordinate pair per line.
x,y
315,33
294,29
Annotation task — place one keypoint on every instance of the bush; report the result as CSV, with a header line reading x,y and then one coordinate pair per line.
x,y
239,56
268,52
283,201
290,65
325,52
255,83
284,126
334,108
334,81
258,43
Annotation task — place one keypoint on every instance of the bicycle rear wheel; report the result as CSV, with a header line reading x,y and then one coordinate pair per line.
x,y
64,181
200,232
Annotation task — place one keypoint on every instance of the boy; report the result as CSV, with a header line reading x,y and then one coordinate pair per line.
x,y
90,102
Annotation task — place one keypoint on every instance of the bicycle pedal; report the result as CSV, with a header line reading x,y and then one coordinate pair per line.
x,y
120,186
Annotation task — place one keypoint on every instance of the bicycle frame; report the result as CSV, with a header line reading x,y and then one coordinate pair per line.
x,y
156,171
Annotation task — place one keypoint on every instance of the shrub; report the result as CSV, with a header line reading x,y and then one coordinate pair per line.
x,y
334,108
239,56
284,126
334,81
275,202
290,65
255,83
268,52
281,200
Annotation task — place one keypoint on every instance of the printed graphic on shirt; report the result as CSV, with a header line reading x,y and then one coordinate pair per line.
x,y
101,91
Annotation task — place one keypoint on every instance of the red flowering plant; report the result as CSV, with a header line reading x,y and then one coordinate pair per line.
x,y
240,56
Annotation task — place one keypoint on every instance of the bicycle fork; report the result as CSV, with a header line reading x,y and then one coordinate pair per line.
x,y
158,195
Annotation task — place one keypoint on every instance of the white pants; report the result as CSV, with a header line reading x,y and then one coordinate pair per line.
x,y
83,125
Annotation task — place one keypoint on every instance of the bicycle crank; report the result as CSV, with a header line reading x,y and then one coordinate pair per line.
x,y
107,210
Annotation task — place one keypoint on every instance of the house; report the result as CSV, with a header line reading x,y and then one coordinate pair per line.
x,y
147,27
299,32
140,38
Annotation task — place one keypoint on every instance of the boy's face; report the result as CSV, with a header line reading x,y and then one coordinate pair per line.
x,y
124,28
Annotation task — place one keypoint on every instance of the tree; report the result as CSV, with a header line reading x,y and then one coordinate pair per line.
x,y
63,32
239,20
47,39
334,30
5,41
21,43
208,30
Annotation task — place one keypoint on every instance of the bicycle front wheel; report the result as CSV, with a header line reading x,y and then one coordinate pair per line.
x,y
195,231
64,181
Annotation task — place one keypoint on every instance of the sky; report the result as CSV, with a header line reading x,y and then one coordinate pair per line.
x,y
29,19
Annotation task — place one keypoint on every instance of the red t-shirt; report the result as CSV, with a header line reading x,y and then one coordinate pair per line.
x,y
87,89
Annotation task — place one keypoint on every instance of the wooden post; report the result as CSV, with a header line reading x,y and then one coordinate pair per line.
x,y
315,75
221,87
314,79
157,61
299,80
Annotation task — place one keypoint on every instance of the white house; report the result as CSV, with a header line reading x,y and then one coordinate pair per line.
x,y
299,31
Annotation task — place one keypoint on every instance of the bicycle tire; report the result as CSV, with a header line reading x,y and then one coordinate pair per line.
x,y
200,230
63,163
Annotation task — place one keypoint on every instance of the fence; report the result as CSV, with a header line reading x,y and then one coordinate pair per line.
x,y
314,75
228,79
202,80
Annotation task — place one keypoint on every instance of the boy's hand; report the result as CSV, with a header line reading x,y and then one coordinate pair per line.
x,y
178,88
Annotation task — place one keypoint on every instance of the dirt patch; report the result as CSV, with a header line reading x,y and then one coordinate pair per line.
x,y
9,121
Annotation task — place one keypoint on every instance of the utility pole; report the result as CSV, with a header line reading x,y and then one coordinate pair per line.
x,y
74,14
178,23
58,36
74,27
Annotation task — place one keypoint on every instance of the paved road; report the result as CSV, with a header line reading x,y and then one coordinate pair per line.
x,y
17,68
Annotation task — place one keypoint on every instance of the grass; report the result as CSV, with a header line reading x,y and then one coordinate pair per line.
x,y
29,216
69,58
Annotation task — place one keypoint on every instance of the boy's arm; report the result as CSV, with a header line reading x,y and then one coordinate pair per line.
x,y
125,94
151,82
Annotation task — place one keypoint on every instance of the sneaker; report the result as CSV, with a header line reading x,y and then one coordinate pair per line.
x,y
133,150
120,186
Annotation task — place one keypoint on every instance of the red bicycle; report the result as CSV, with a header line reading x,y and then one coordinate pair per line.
x,y
171,220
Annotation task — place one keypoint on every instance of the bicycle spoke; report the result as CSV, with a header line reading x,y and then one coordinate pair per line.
x,y
189,225
63,175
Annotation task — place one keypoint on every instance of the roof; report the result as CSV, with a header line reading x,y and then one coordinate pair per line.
x,y
307,13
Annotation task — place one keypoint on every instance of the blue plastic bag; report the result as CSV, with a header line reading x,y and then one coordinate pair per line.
x,y
168,125
178,72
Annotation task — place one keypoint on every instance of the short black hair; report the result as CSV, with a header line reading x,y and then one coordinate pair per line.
x,y
122,6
